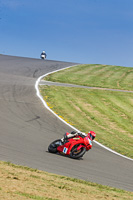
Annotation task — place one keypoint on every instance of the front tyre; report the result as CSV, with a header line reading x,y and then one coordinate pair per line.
x,y
77,153
52,148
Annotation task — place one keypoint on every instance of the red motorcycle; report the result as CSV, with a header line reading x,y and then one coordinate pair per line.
x,y
74,147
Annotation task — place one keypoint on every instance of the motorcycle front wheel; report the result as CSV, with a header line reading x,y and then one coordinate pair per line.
x,y
52,148
77,153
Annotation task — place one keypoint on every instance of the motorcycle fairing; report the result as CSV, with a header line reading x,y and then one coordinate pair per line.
x,y
69,144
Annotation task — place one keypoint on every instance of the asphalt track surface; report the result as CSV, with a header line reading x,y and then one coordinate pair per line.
x,y
27,128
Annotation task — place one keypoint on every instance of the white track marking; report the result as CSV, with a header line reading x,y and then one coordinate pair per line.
x,y
45,104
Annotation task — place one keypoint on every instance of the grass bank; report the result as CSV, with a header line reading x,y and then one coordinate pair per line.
x,y
108,113
17,182
104,76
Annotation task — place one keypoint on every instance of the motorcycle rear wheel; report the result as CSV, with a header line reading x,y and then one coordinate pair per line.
x,y
52,148
77,153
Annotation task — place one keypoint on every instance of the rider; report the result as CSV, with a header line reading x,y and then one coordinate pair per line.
x,y
43,55
91,135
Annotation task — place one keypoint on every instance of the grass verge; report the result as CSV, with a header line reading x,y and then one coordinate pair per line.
x,y
108,113
18,182
104,76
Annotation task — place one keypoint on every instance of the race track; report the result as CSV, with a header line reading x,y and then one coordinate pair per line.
x,y
27,128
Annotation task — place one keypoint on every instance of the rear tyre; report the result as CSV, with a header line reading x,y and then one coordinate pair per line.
x,y
52,148
77,153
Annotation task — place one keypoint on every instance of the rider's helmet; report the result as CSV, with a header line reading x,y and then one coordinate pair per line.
x,y
43,52
91,135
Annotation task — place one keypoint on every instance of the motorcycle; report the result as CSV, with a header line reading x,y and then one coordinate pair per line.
x,y
73,147
43,57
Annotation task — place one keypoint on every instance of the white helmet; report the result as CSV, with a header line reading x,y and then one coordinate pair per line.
x,y
43,51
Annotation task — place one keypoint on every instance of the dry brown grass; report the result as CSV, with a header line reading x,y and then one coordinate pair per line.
x,y
20,183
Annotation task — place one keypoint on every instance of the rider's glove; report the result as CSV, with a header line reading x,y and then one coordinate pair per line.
x,y
73,132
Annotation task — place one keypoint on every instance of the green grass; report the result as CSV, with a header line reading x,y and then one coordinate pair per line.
x,y
105,76
108,113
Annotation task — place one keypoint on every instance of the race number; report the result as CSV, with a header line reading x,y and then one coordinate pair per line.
x,y
65,150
